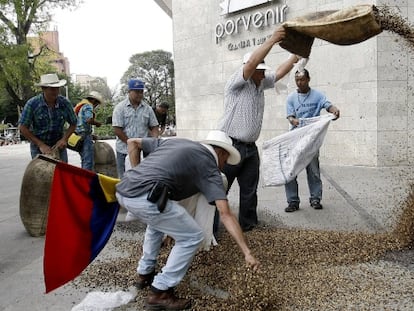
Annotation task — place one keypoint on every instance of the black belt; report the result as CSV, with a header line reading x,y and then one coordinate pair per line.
x,y
239,142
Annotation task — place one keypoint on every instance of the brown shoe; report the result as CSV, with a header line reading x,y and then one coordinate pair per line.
x,y
165,300
144,280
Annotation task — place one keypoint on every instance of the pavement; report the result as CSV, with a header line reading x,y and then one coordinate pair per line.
x,y
356,198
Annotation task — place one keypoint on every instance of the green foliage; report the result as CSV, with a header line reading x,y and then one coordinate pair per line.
x,y
104,115
18,67
156,69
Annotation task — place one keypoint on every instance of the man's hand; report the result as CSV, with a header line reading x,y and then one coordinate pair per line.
x,y
335,111
278,35
60,144
45,149
252,263
294,121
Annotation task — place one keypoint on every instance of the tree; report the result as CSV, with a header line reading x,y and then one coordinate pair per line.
x,y
156,69
18,18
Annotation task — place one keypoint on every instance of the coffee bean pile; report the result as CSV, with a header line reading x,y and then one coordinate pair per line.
x,y
394,22
301,269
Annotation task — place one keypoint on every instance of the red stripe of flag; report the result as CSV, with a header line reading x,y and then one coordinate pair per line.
x,y
80,222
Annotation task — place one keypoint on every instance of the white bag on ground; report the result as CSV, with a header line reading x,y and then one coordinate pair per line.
x,y
105,301
286,155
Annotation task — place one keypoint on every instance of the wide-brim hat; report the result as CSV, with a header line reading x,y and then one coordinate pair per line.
x,y
51,80
260,66
97,96
220,139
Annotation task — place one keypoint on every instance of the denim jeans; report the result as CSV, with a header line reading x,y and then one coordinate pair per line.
x,y
175,222
120,163
34,151
86,154
314,183
247,174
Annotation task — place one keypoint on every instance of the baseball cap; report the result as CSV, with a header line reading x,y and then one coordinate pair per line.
x,y
136,84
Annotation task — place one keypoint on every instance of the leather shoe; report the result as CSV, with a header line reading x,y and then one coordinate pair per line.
x,y
144,280
292,207
316,205
165,300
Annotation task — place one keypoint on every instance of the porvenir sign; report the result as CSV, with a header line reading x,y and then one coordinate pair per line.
x,y
261,18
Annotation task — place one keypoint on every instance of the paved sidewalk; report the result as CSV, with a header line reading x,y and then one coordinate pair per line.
x,y
355,198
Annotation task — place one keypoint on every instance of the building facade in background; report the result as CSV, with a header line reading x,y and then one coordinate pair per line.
x,y
88,82
50,39
371,82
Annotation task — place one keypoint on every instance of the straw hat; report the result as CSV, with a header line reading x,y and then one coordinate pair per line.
x,y
97,96
222,140
50,80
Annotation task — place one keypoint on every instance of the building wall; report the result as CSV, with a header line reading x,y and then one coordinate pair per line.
x,y
371,82
54,56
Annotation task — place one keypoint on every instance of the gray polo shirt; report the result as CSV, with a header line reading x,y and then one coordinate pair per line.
x,y
185,166
135,122
244,106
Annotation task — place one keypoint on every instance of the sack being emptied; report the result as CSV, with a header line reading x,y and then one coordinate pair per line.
x,y
343,27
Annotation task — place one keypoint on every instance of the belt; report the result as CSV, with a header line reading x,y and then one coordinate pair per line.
x,y
239,142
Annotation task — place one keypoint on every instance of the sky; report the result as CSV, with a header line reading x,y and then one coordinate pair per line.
x,y
100,36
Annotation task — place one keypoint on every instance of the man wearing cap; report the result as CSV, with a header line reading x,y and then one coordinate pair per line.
x,y
86,118
176,169
43,118
242,121
132,117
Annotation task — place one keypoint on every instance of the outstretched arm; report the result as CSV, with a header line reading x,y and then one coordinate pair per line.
x,y
285,67
233,227
260,53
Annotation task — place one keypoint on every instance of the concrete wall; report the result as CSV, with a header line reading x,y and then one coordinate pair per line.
x,y
370,82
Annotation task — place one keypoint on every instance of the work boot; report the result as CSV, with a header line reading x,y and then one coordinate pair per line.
x,y
292,207
144,280
165,300
316,204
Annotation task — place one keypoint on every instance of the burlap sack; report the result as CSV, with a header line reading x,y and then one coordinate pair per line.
x,y
35,194
104,159
343,27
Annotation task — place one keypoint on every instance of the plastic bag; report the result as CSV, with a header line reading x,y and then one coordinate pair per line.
x,y
286,155
105,301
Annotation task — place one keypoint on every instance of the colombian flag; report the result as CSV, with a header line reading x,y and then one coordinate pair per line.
x,y
82,214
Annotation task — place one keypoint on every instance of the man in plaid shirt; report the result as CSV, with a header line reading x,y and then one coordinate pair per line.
x,y
44,116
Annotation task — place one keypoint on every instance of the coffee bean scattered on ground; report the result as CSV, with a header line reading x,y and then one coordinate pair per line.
x,y
301,269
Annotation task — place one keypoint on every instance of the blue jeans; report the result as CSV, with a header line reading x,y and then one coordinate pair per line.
x,y
175,222
120,163
86,154
34,151
247,174
314,183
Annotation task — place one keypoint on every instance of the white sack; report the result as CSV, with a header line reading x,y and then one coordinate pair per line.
x,y
105,301
286,155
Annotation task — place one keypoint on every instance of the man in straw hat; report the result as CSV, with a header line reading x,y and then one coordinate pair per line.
x,y
84,110
176,169
43,118
242,120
